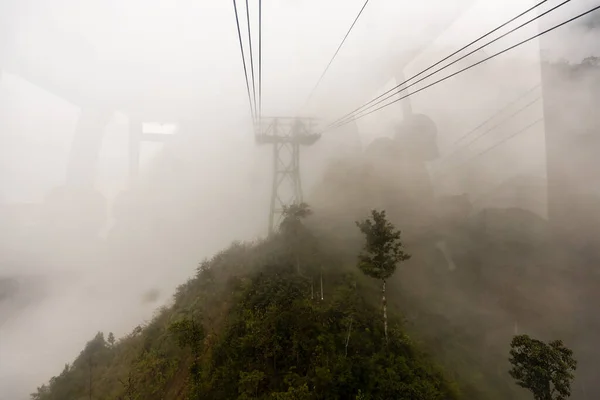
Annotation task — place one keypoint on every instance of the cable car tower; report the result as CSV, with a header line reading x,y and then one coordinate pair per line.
x,y
286,135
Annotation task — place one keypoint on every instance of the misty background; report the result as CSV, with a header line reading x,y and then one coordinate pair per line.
x,y
76,262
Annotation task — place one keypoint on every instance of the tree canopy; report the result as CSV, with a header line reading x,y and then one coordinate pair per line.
x,y
546,369
383,248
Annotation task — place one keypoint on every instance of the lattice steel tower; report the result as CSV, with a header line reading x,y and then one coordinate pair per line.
x,y
287,135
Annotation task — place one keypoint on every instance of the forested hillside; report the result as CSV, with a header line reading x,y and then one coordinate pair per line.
x,y
289,317
292,317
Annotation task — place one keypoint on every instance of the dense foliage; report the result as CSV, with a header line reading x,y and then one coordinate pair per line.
x,y
383,248
249,326
281,341
546,369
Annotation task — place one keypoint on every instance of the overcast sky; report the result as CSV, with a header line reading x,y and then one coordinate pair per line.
x,y
181,57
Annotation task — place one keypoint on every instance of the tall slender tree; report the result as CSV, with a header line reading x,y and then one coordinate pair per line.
x,y
297,236
111,339
382,252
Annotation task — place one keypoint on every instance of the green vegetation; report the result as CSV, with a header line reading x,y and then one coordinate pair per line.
x,y
546,369
381,254
249,326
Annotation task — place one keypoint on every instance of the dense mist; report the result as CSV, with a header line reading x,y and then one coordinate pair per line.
x,y
77,259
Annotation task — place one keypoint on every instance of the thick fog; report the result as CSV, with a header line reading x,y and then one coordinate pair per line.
x,y
76,261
